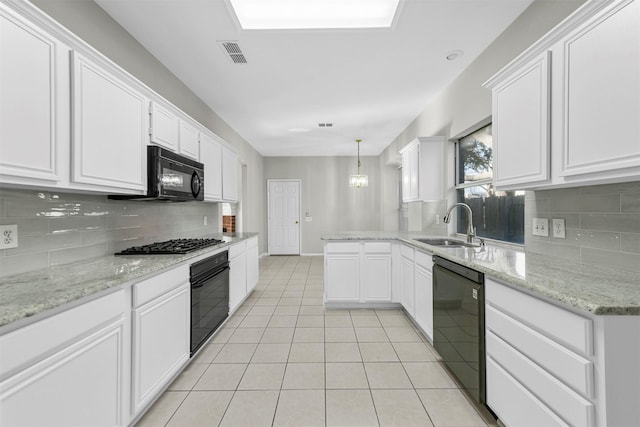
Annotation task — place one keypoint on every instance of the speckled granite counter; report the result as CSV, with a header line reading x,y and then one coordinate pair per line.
x,y
597,290
25,295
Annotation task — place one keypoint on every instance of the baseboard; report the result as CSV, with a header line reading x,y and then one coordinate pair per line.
x,y
366,305
312,254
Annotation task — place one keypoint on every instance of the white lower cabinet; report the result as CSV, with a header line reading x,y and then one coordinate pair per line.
x,y
71,369
253,267
161,333
547,365
237,275
547,351
357,272
407,279
424,293
243,271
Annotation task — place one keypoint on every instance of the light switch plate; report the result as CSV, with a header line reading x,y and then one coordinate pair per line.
x,y
540,227
559,228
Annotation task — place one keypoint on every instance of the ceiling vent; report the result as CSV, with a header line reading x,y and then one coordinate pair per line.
x,y
325,125
234,52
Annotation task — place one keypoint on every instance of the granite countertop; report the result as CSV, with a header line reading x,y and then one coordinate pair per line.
x,y
27,294
597,290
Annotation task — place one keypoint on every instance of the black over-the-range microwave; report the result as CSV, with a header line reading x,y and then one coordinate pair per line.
x,y
171,177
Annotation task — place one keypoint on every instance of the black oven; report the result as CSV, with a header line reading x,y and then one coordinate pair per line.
x,y
171,177
209,297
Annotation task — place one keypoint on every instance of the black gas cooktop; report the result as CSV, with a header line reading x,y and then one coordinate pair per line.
x,y
176,246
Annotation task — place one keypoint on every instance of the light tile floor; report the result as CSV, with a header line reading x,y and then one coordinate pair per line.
x,y
283,360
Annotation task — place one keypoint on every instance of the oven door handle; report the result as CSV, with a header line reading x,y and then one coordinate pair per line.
x,y
199,282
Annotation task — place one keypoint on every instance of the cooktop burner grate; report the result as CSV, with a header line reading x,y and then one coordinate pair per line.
x,y
176,246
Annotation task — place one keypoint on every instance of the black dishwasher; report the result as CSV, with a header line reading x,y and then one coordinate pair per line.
x,y
209,297
458,323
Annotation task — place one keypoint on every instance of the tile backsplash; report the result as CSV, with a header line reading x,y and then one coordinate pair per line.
x,y
602,224
59,228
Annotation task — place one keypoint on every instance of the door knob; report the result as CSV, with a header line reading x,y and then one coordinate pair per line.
x,y
297,222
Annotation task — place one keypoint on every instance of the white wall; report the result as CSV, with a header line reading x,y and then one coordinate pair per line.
x,y
327,197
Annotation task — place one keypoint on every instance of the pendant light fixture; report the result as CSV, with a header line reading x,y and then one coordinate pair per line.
x,y
358,180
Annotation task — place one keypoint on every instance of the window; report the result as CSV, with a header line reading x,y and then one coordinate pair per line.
x,y
497,215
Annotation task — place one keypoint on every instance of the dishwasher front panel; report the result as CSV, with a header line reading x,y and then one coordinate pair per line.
x,y
458,328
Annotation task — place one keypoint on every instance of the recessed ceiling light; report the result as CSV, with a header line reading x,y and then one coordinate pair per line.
x,y
314,14
454,54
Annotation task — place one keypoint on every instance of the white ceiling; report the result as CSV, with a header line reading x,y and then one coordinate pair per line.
x,y
369,83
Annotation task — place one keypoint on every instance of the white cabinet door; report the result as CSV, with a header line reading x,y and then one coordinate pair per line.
x,y
412,173
161,337
72,369
189,140
229,175
406,176
342,277
211,157
424,300
252,264
601,93
407,285
109,129
237,280
376,277
521,126
34,101
422,169
163,127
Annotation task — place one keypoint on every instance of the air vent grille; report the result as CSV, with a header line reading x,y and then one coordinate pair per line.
x,y
325,125
234,52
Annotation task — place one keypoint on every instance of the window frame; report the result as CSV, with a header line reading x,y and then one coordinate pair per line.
x,y
464,185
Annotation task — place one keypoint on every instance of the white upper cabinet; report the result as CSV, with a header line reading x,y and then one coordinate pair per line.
x,y
211,157
566,112
422,171
189,140
110,124
521,125
34,103
229,175
601,95
163,129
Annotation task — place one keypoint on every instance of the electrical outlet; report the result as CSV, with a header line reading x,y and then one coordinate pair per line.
x,y
559,228
8,236
204,220
540,227
437,219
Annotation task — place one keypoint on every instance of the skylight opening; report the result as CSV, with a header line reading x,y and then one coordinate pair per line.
x,y
314,14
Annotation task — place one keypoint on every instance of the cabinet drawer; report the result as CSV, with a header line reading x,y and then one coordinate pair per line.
x,y
424,260
156,286
407,252
555,322
565,365
377,247
237,250
513,403
565,402
35,341
342,247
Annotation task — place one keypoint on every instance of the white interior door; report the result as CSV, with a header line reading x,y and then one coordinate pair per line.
x,y
284,217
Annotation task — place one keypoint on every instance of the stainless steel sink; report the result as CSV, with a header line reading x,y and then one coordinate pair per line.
x,y
449,243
